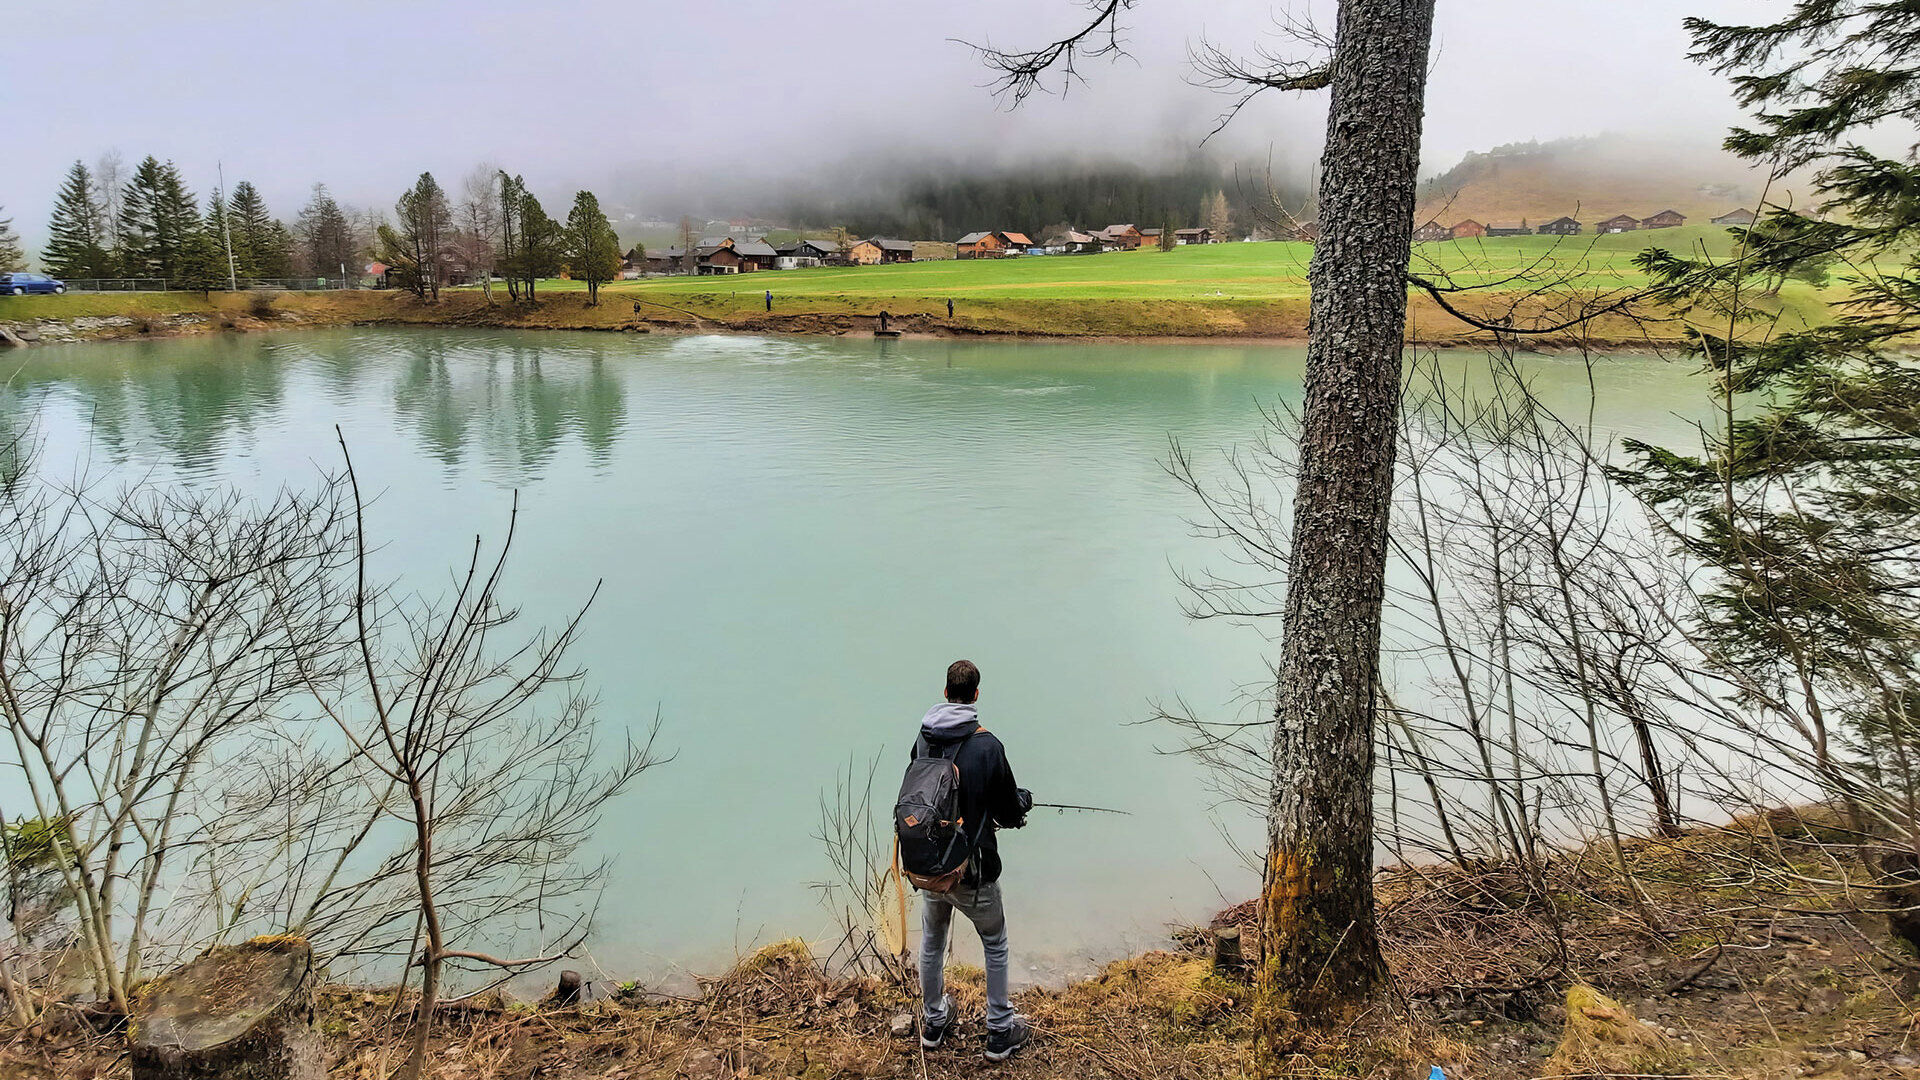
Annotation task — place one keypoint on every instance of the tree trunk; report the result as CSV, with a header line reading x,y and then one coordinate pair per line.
x,y
241,1012
1322,954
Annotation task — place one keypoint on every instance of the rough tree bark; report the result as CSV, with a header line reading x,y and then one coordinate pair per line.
x,y
1321,951
242,1012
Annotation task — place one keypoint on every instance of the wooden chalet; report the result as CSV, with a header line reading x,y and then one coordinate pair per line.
x,y
1618,223
1150,237
1432,232
671,260
1016,242
862,253
820,250
1742,216
1468,230
1068,241
893,251
980,245
755,255
1665,219
1119,237
716,257
1193,236
1508,228
1560,226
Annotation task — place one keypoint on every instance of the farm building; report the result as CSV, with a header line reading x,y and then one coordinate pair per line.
x,y
1193,236
1149,237
893,251
980,245
671,260
1120,237
1432,232
862,253
1468,229
718,259
1016,240
1560,226
1068,241
819,250
755,254
1618,223
1742,216
1508,228
1665,219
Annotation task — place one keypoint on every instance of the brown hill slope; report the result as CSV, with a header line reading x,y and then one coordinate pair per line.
x,y
1593,179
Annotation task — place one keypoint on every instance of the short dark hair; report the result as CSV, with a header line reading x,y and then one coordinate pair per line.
x,y
963,682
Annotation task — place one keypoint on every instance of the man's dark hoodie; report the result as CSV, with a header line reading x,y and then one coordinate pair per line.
x,y
989,798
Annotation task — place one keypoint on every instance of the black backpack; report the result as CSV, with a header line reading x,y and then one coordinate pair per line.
x,y
932,836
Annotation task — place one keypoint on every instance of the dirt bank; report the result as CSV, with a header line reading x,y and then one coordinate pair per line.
x,y
96,317
1743,979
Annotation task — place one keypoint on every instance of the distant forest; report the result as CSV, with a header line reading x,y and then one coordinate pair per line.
x,y
944,205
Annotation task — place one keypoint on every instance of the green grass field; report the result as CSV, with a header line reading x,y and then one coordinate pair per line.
x,y
1258,271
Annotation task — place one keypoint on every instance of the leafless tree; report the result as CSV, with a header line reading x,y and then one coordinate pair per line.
x,y
489,749
866,895
479,224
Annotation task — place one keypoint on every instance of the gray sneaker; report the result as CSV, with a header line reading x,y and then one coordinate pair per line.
x,y
932,1035
1007,1041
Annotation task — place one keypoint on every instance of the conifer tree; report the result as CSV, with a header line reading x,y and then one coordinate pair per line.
x,y
512,253
260,244
543,242
11,257
593,250
418,244
217,228
203,263
76,245
1804,503
157,220
326,237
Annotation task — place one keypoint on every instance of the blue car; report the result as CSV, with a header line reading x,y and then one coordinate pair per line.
x,y
21,284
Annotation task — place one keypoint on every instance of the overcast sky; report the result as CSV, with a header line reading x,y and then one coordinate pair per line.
x,y
364,95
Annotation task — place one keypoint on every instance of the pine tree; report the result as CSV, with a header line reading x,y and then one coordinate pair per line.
x,y
593,250
157,221
417,246
543,242
1168,239
512,253
76,245
217,228
260,248
1805,501
1219,220
203,263
11,257
327,242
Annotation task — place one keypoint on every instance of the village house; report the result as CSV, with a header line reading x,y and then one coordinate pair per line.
x,y
634,263
1508,228
1468,229
1193,236
1618,223
1432,232
980,245
1665,219
1560,226
1068,241
893,251
1149,237
671,260
717,259
1119,237
1016,242
1742,216
819,251
755,255
862,253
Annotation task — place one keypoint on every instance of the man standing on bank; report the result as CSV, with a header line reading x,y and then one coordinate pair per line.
x,y
987,799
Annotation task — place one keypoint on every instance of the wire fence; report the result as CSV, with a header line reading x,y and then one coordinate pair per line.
x,y
302,284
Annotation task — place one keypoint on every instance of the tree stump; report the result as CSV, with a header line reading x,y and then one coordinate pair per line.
x,y
240,1012
1227,958
568,990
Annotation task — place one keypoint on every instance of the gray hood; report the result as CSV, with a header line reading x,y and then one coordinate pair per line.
x,y
948,717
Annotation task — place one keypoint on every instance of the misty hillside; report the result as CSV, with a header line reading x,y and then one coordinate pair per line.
x,y
1591,179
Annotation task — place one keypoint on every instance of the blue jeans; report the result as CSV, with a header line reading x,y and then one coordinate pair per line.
x,y
983,909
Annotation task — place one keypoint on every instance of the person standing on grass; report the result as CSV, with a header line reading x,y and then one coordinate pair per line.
x,y
987,800
949,307
769,299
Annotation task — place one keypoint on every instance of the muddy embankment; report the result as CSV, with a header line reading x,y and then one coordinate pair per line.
x,y
37,320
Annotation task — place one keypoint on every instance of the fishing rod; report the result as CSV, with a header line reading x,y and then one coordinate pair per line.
x,y
1074,806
